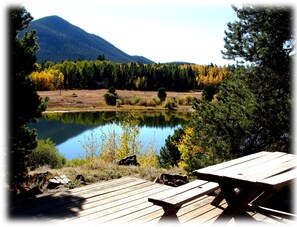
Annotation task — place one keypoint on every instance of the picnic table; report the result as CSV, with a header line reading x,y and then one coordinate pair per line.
x,y
249,180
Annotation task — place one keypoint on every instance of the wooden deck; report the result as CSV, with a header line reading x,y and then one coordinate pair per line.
x,y
122,201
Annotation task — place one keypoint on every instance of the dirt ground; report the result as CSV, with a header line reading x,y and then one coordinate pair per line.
x,y
92,100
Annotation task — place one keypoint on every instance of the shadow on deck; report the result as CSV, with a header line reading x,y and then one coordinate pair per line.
x,y
48,207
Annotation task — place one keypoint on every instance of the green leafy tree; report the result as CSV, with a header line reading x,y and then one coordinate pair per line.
x,y
129,138
25,104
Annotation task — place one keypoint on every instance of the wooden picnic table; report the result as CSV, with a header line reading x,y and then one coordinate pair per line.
x,y
249,180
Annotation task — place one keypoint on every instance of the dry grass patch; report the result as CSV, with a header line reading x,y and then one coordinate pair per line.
x,y
100,170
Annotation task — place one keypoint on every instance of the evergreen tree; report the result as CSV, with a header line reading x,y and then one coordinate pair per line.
x,y
25,104
101,57
251,111
111,96
264,37
169,154
162,94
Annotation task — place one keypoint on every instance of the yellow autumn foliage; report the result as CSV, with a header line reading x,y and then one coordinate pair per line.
x,y
115,146
186,147
149,158
212,75
48,79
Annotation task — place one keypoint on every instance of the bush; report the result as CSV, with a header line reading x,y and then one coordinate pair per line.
x,y
76,162
111,96
181,100
112,90
157,101
189,100
46,153
135,100
209,91
169,103
151,102
162,94
118,103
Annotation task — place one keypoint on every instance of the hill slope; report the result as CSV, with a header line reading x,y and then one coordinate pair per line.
x,y
59,40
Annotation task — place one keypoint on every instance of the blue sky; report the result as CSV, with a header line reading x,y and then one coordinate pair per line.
x,y
162,31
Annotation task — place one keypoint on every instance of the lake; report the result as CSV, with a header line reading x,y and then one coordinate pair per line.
x,y
70,130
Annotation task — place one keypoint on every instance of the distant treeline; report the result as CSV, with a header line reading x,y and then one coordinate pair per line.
x,y
131,76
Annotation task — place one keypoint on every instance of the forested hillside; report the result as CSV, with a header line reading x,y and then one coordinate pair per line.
x,y
59,40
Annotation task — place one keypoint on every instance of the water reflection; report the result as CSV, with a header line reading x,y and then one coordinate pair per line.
x,y
67,129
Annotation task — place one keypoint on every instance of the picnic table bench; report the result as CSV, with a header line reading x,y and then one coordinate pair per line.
x,y
172,200
249,180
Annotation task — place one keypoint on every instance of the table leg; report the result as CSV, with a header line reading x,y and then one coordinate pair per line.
x,y
218,199
229,192
237,201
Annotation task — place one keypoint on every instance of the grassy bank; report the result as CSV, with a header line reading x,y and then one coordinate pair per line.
x,y
100,170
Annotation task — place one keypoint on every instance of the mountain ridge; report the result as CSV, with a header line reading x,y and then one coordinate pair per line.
x,y
60,40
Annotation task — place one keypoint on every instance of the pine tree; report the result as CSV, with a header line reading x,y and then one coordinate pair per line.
x,y
264,36
25,104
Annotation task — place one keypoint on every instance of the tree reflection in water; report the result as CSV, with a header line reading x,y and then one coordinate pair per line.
x,y
66,129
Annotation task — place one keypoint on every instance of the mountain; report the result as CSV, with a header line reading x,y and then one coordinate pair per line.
x,y
59,40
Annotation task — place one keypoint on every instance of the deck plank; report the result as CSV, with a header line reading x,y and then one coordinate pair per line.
x,y
44,203
103,206
187,212
124,206
57,209
122,201
98,204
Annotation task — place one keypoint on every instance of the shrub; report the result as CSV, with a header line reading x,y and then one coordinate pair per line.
x,y
124,100
209,91
162,94
143,102
110,99
111,96
169,103
76,162
151,102
118,103
189,100
157,101
46,153
135,100
181,100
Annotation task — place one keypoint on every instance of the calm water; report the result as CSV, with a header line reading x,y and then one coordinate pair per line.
x,y
70,130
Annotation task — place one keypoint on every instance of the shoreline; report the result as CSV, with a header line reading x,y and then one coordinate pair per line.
x,y
126,108
93,101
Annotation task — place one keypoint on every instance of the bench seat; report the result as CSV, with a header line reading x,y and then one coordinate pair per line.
x,y
173,199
